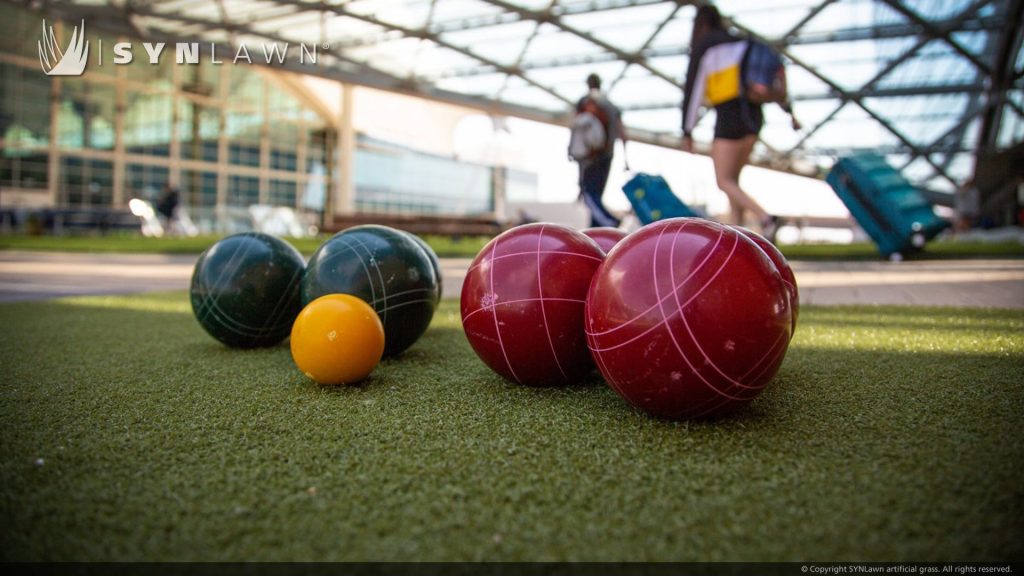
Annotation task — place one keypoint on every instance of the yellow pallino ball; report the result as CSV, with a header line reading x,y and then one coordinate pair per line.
x,y
337,339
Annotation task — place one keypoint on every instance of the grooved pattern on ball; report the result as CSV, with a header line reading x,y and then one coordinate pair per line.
x,y
605,237
782,265
245,289
386,268
523,301
688,318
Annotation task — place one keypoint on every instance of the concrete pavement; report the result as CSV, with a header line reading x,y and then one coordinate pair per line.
x,y
987,283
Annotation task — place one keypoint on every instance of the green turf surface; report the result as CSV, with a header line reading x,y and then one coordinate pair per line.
x,y
468,247
126,433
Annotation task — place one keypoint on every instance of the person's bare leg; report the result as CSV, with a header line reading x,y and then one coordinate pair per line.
x,y
729,157
739,213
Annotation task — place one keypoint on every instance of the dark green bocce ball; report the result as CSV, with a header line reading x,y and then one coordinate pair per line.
x,y
433,262
386,268
246,289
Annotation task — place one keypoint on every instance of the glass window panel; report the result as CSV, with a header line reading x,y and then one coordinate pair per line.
x,y
676,34
396,180
302,26
24,108
625,28
201,80
852,14
394,57
520,92
771,19
483,84
431,59
282,193
245,91
282,104
199,188
521,186
157,76
23,169
503,43
86,115
316,147
243,129
935,64
673,67
243,190
86,182
147,124
145,181
551,43
194,8
198,130
20,31
456,10
284,146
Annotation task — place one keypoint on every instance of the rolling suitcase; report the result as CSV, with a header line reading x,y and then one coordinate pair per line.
x,y
889,208
652,199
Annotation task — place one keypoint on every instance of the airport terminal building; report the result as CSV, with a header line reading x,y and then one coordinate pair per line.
x,y
228,135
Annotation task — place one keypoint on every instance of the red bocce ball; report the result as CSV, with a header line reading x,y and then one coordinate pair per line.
x,y
523,301
784,270
605,236
688,319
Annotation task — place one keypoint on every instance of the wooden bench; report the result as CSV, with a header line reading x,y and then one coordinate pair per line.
x,y
58,221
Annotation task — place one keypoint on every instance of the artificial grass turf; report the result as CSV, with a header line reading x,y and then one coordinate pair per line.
x,y
126,433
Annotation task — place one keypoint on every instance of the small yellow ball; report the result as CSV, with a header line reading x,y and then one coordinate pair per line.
x,y
337,339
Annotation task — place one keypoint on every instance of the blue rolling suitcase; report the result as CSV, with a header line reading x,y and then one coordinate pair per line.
x,y
652,199
889,208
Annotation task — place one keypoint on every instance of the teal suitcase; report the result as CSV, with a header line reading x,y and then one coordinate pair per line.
x,y
891,210
652,199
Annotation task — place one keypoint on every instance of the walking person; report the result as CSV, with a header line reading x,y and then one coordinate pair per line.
x,y
167,206
715,73
598,124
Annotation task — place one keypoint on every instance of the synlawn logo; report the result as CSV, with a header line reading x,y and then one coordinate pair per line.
x,y
72,61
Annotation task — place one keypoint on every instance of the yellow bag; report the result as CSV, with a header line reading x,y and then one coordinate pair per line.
x,y
723,85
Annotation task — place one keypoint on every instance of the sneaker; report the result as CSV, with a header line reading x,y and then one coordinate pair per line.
x,y
769,226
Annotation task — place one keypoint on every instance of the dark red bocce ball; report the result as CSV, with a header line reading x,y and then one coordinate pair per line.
x,y
688,319
523,301
606,237
784,270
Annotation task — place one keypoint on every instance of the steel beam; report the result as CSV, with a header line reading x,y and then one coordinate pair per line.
x,y
523,51
627,57
888,31
647,43
871,33
846,96
940,31
807,18
898,92
340,10
1002,78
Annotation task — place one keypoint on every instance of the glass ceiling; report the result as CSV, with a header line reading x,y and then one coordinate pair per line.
x,y
928,82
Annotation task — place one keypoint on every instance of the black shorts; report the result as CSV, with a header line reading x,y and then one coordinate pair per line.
x,y
737,119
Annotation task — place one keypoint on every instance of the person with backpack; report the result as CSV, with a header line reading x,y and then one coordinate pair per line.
x,y
735,76
596,127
